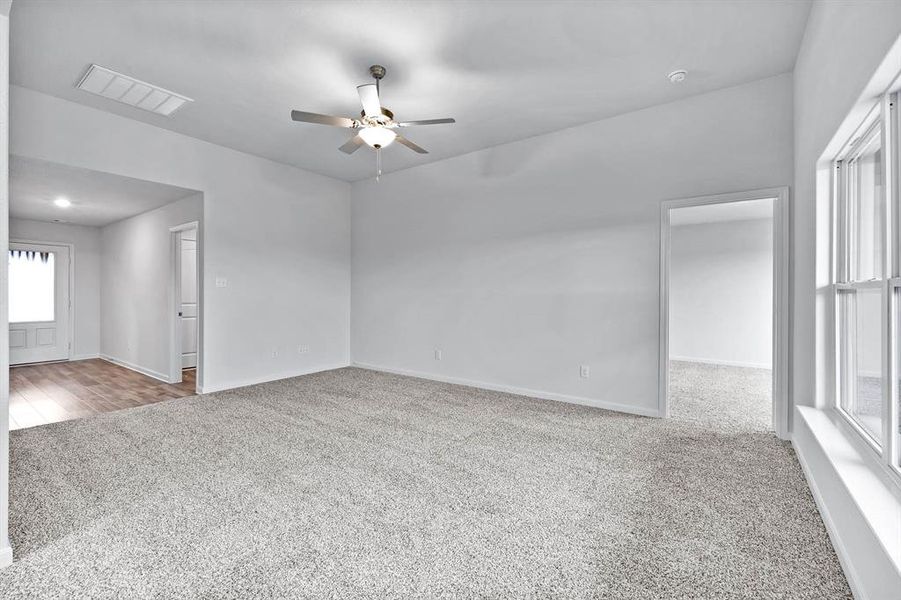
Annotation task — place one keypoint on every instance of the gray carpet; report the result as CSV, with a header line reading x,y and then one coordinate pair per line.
x,y
352,483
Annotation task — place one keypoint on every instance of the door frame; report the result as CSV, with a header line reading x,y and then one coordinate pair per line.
x,y
175,364
70,326
781,316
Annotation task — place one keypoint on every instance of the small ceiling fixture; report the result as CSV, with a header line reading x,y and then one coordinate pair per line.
x,y
376,126
62,202
677,76
128,90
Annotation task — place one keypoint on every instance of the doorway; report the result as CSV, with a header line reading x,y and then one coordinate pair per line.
x,y
185,295
39,302
724,307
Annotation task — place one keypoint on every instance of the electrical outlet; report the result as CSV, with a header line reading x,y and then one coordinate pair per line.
x,y
275,353
437,354
584,371
221,282
302,349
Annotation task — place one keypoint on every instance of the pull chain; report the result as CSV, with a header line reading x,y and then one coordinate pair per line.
x,y
378,163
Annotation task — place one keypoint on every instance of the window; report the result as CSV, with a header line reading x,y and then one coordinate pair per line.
x,y
31,286
864,282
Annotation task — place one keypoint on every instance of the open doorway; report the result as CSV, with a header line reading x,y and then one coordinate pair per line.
x,y
90,291
185,297
724,309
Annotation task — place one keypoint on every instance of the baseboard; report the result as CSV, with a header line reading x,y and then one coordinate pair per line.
x,y
542,395
6,555
725,363
142,370
856,501
840,550
83,357
239,383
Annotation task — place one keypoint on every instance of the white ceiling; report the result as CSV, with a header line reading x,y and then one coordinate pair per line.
x,y
505,70
97,198
729,211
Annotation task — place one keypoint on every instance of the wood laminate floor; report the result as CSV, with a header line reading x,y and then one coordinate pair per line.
x,y
51,392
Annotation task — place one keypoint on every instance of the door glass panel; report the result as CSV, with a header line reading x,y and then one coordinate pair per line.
x,y
31,286
867,210
860,338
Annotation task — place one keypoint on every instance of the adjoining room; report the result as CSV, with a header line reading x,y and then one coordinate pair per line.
x,y
404,299
94,262
719,292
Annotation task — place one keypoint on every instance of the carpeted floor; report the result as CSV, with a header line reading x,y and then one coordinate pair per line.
x,y
352,483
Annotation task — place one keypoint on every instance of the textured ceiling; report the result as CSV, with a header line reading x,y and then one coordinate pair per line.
x,y
505,70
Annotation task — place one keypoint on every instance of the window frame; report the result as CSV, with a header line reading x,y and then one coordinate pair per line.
x,y
881,120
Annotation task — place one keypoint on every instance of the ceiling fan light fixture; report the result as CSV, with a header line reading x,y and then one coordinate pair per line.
x,y
377,137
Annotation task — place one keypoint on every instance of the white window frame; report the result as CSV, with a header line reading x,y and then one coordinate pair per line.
x,y
884,116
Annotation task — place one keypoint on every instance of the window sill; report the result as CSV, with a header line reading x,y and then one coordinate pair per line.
x,y
860,502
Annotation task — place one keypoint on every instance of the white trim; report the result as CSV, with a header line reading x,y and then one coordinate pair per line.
x,y
84,357
781,315
541,395
138,368
856,500
239,383
175,354
832,531
725,363
6,555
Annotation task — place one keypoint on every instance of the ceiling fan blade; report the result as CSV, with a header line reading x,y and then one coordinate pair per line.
x,y
404,141
369,98
352,145
426,122
308,117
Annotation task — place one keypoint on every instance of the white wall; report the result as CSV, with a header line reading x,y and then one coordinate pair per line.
x,y
279,235
86,296
135,283
844,43
523,261
721,293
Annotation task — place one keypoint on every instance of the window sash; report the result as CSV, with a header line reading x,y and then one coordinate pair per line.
x,y
882,121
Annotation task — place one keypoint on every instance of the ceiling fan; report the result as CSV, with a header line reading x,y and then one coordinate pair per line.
x,y
375,127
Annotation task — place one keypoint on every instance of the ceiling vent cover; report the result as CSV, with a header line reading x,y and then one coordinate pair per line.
x,y
128,90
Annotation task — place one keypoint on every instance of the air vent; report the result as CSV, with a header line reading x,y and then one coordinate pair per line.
x,y
128,90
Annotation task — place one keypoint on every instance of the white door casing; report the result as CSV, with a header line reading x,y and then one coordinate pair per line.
x,y
42,338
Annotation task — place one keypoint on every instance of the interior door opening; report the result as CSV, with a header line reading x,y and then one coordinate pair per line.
x,y
185,354
723,282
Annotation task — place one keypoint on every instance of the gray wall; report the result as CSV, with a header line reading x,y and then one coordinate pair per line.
x,y
134,280
721,293
279,235
525,261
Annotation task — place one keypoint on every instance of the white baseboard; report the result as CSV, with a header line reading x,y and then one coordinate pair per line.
x,y
725,363
6,555
83,357
142,370
542,395
857,501
840,550
238,383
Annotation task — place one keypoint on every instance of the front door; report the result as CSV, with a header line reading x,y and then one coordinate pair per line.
x,y
38,303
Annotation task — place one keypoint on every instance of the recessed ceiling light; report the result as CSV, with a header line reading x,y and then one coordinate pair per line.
x,y
128,90
677,76
62,202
